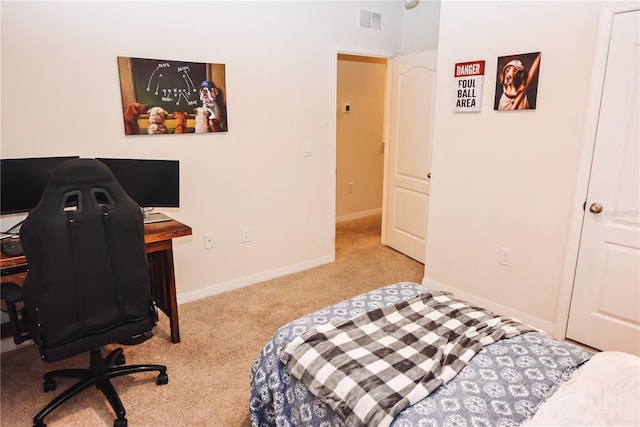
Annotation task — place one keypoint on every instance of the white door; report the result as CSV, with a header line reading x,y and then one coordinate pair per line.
x,y
605,305
409,161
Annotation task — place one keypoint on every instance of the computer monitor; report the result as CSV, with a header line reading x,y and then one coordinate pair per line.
x,y
23,180
150,183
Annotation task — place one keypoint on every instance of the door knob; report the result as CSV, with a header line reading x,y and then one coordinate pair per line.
x,y
429,175
595,208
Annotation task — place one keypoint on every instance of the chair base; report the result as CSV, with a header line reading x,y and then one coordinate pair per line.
x,y
99,373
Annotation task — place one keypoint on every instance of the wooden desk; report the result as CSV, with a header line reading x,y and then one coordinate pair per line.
x,y
158,237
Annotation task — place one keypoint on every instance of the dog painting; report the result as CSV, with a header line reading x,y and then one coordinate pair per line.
x,y
172,97
517,82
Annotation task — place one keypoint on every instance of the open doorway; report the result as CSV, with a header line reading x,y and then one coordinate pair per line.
x,y
360,127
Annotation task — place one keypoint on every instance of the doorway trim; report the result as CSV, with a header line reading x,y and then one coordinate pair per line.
x,y
333,100
607,13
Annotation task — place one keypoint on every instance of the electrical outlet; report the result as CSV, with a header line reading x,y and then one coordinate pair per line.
x,y
350,188
208,240
246,235
505,256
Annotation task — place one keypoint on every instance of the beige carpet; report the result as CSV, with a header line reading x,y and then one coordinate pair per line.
x,y
221,337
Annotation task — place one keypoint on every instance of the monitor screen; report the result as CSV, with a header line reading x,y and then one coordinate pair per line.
x,y
22,182
151,183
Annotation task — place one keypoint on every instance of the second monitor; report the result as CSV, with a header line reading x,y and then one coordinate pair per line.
x,y
150,183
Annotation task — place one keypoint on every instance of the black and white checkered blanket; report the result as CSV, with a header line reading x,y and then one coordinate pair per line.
x,y
371,367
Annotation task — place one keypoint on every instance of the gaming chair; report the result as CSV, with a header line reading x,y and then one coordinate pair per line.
x,y
88,281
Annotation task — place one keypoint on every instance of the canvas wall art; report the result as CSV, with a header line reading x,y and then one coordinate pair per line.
x,y
162,97
517,82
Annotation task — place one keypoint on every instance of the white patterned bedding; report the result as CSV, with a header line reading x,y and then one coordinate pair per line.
x,y
502,385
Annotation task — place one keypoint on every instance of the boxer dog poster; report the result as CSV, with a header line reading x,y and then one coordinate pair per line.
x,y
162,97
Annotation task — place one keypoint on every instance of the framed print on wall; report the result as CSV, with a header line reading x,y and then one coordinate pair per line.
x,y
517,82
467,92
172,97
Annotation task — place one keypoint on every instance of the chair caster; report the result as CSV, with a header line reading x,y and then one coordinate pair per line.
x,y
115,358
49,385
120,422
40,424
162,379
120,360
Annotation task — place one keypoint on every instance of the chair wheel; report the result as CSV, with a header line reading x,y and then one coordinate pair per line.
x,y
120,422
162,379
40,424
49,385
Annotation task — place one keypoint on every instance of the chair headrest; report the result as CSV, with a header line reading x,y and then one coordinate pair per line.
x,y
81,171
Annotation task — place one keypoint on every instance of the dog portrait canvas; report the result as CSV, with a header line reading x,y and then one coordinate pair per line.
x,y
517,82
161,97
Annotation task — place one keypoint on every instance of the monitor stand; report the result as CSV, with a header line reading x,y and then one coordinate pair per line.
x,y
150,217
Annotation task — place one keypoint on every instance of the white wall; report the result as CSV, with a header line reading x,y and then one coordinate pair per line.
x,y
506,179
61,95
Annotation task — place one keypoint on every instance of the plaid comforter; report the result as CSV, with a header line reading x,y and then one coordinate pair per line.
x,y
369,368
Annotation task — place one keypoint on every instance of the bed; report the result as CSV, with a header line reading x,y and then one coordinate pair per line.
x,y
515,376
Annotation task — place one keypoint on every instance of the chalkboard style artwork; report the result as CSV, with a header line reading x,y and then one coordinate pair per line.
x,y
169,97
517,82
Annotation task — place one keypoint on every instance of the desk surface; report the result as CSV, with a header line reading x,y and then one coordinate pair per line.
x,y
154,232
165,230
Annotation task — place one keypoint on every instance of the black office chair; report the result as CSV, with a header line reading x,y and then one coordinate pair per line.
x,y
88,282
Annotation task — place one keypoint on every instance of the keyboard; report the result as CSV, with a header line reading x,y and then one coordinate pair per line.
x,y
12,247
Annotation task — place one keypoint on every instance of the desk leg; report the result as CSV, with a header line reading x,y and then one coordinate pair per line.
x,y
163,287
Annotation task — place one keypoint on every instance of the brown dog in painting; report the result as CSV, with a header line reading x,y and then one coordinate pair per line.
x,y
213,100
513,78
181,122
131,113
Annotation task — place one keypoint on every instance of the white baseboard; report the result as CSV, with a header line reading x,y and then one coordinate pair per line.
x,y
250,280
491,305
357,215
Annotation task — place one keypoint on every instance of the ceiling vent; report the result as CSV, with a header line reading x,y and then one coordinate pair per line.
x,y
369,20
